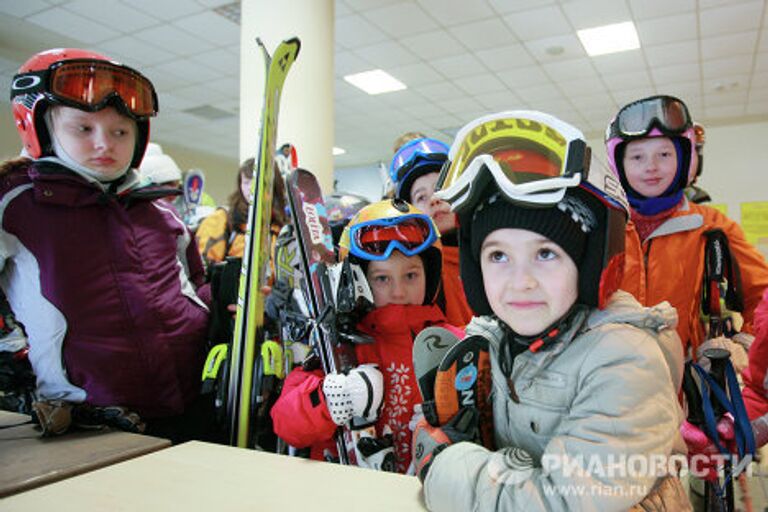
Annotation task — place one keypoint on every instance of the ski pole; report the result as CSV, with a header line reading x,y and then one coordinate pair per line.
x,y
718,359
696,417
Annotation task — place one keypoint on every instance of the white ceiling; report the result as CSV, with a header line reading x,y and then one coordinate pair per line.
x,y
459,58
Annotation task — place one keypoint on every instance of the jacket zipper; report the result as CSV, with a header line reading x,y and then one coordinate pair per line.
x,y
646,255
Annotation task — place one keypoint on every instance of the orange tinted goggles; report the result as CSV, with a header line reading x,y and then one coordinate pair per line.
x,y
90,85
376,239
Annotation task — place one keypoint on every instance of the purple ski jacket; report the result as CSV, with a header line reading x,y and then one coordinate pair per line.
x,y
108,287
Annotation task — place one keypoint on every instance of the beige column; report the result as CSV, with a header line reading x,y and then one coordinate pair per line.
x,y
306,106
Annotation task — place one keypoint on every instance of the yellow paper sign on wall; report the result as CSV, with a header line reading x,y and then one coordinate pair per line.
x,y
754,222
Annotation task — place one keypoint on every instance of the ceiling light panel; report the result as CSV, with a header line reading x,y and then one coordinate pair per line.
x,y
375,81
618,37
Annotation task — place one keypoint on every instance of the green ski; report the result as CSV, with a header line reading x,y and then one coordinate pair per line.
x,y
249,321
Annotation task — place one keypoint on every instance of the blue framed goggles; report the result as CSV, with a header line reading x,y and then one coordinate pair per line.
x,y
375,240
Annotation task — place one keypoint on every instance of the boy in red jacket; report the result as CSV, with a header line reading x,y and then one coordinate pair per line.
x,y
399,250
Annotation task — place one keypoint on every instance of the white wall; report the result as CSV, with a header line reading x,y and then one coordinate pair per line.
x,y
736,165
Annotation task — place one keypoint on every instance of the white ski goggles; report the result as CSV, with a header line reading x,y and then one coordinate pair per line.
x,y
532,157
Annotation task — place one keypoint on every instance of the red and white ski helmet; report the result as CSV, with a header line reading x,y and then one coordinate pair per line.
x,y
80,79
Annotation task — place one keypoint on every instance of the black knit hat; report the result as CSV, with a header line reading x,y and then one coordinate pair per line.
x,y
409,173
568,224
556,223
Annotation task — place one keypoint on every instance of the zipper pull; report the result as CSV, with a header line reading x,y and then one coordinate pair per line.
x,y
512,392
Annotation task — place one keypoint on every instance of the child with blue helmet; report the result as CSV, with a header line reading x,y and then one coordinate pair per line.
x,y
414,171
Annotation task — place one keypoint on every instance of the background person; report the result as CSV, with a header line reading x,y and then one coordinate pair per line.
x,y
651,149
414,171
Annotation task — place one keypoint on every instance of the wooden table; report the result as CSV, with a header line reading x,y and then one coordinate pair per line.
x,y
11,419
28,460
206,477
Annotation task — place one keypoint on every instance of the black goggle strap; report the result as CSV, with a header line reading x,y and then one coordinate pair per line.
x,y
418,160
578,159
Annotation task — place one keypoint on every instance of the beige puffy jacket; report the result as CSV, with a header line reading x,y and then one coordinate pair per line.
x,y
604,394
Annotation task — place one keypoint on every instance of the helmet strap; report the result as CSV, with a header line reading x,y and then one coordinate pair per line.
x,y
514,344
450,238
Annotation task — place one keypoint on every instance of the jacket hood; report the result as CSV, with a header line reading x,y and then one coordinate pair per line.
x,y
398,318
52,166
660,319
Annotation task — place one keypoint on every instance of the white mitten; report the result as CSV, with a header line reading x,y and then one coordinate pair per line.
x,y
739,357
360,394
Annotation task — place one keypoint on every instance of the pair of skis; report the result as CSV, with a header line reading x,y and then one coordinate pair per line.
x,y
242,386
316,256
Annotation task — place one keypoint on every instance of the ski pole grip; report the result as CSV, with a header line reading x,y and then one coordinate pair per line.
x,y
692,397
718,358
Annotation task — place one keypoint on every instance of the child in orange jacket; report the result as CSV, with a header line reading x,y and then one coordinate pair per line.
x,y
651,149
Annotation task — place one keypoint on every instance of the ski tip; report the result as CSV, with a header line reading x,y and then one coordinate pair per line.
x,y
436,339
474,345
429,347
294,41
